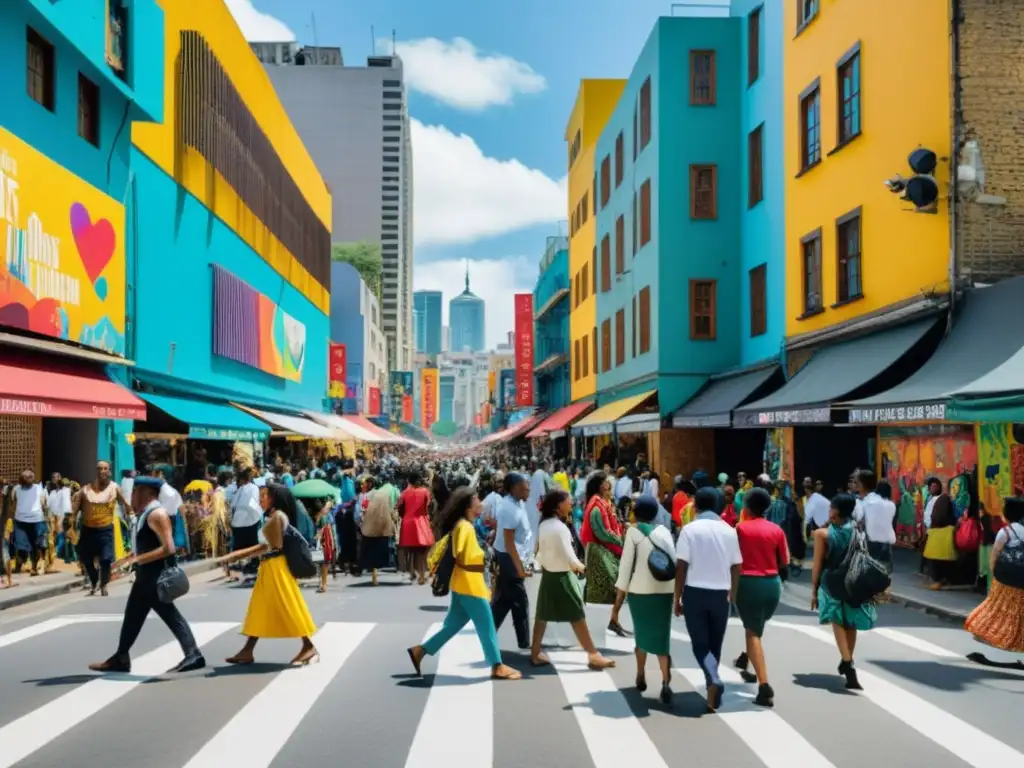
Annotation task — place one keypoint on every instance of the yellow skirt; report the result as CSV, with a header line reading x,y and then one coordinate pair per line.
x,y
277,608
940,544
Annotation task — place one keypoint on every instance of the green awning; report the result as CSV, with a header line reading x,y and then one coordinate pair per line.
x,y
207,420
994,410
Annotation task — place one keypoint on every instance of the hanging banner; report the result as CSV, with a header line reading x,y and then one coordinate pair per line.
x,y
401,385
507,394
374,405
428,398
337,369
524,348
407,409
492,377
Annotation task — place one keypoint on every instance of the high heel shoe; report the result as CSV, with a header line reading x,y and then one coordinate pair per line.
x,y
641,684
306,657
666,694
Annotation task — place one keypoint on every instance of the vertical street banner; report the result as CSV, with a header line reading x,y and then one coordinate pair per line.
x,y
428,398
407,409
524,348
507,393
375,401
337,370
401,386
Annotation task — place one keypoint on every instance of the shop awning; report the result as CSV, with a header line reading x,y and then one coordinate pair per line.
x,y
560,419
516,430
714,404
347,428
33,385
381,434
996,397
208,420
985,335
601,421
833,373
296,425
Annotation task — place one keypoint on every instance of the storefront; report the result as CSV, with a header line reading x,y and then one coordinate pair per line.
x,y
606,444
556,428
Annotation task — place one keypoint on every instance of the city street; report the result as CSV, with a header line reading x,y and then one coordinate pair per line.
x,y
922,703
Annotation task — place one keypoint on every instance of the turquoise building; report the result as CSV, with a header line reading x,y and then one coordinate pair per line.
x,y
551,327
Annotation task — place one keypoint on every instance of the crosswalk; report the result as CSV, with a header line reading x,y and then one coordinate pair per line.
x,y
273,715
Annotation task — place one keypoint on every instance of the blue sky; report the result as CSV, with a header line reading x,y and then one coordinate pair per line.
x,y
491,87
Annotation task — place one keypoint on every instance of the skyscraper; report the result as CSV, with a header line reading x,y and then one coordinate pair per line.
x,y
466,319
428,305
355,123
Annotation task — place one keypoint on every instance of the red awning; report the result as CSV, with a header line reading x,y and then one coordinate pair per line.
x,y
382,434
60,388
515,431
561,418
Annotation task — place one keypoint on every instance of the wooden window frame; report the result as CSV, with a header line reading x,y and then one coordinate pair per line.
x,y
585,346
635,229
88,110
606,264
847,62
620,338
606,181
620,160
585,205
806,278
754,45
597,358
645,213
620,245
712,315
594,268
632,328
712,85
695,172
644,311
585,282
810,151
755,166
806,12
46,79
844,294
577,368
606,345
758,282
645,114
636,128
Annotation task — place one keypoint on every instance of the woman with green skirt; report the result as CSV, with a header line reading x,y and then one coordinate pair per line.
x,y
650,600
560,598
765,558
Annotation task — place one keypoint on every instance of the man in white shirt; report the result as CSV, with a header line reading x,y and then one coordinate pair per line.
x,y
513,549
623,484
540,483
246,515
29,522
816,508
707,574
876,513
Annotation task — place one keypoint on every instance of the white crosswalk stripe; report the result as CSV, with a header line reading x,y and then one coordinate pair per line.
x,y
256,730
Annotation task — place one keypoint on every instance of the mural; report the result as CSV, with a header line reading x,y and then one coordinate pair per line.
x,y
401,387
912,455
63,268
251,329
778,454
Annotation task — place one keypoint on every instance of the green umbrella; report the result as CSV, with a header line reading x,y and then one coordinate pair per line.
x,y
315,489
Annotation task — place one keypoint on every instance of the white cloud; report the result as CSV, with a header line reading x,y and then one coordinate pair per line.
x,y
493,280
462,195
459,75
259,27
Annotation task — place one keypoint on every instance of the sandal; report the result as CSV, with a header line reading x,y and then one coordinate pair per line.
x,y
600,664
505,672
240,660
540,660
306,657
416,661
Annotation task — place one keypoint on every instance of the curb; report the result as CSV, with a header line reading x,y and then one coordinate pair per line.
x,y
933,609
56,590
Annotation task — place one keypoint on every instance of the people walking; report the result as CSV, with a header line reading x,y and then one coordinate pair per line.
x,y
378,531
30,526
999,620
155,548
98,504
602,536
469,593
707,575
246,516
415,537
513,547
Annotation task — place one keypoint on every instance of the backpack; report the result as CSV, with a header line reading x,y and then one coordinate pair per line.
x,y
659,563
968,534
297,554
859,577
1009,567
441,583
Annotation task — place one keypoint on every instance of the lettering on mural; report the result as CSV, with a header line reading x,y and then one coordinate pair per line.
x,y
899,413
32,255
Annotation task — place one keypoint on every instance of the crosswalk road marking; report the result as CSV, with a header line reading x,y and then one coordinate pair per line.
x,y
41,726
916,643
34,630
277,710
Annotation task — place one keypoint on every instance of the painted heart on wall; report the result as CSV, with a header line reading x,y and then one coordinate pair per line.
x,y
95,241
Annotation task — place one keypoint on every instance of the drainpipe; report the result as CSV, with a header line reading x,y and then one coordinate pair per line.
x,y
955,20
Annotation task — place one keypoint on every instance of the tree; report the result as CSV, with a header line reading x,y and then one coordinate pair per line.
x,y
365,257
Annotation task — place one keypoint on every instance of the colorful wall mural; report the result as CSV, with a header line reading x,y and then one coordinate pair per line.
x,y
63,268
251,329
1000,465
401,387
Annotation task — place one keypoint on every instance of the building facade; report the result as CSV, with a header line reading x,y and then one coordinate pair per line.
x,y
66,328
355,121
595,100
355,322
467,324
428,304
551,327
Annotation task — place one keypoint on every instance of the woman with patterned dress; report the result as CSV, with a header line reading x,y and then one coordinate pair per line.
x,y
327,537
602,537
999,620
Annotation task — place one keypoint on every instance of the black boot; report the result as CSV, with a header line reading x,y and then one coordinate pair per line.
x,y
765,696
847,670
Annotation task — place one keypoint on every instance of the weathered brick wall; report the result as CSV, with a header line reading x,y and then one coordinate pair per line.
x,y
991,237
684,451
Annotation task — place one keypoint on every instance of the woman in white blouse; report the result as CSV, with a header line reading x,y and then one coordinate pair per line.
x,y
560,598
650,600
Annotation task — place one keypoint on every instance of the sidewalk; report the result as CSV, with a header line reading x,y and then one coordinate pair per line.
x,y
911,589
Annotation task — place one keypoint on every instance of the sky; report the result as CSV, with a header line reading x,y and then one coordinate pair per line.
x,y
491,86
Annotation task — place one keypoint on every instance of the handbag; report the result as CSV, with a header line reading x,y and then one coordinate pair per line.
x,y
172,582
659,563
968,534
1009,567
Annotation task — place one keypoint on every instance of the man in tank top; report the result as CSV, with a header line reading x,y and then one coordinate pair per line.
x,y
97,503
30,530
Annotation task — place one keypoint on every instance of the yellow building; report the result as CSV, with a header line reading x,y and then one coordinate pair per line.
x,y
595,101
866,83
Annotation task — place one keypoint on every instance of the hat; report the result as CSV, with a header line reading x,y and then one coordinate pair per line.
x,y
155,483
646,505
722,478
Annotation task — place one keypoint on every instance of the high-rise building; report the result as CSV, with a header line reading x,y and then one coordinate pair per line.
x,y
355,123
427,305
446,338
466,319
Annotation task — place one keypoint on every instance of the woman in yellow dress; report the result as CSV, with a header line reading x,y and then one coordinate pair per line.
x,y
276,608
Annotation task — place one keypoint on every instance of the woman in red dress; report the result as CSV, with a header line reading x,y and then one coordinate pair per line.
x,y
416,537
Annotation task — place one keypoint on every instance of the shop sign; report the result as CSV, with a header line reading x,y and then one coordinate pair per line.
x,y
428,398
374,404
337,370
524,348
62,264
598,429
794,417
401,385
899,413
67,409
712,420
634,426
231,435
508,389
407,409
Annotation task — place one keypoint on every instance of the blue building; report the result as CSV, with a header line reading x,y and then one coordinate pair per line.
x,y
348,323
65,181
427,311
551,334
446,397
466,321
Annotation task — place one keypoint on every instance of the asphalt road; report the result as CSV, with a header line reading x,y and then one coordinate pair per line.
x,y
922,703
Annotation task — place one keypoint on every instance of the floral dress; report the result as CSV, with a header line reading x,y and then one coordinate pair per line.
x,y
602,537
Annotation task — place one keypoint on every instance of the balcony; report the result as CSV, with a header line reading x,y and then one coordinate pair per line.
x,y
117,38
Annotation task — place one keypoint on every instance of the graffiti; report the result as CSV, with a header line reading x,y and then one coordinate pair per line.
x,y
1017,469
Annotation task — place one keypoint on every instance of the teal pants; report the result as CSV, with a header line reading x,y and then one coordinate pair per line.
x,y
464,609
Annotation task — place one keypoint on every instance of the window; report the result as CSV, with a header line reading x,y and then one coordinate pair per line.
x,y
645,320
645,114
636,129
585,346
576,360
596,363
753,46
576,291
810,246
39,68
88,110
392,106
810,126
585,281
593,287
636,224
702,78
645,213
806,10
392,83
755,160
702,309
606,264
585,207
703,192
632,328
606,180
848,269
595,195
620,337
619,159
620,245
606,346
759,300
848,89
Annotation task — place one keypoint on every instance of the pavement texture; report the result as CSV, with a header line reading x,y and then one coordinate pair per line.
x,y
923,703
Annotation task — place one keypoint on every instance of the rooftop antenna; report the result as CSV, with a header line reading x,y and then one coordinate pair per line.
x,y
316,43
394,44
373,42
467,274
